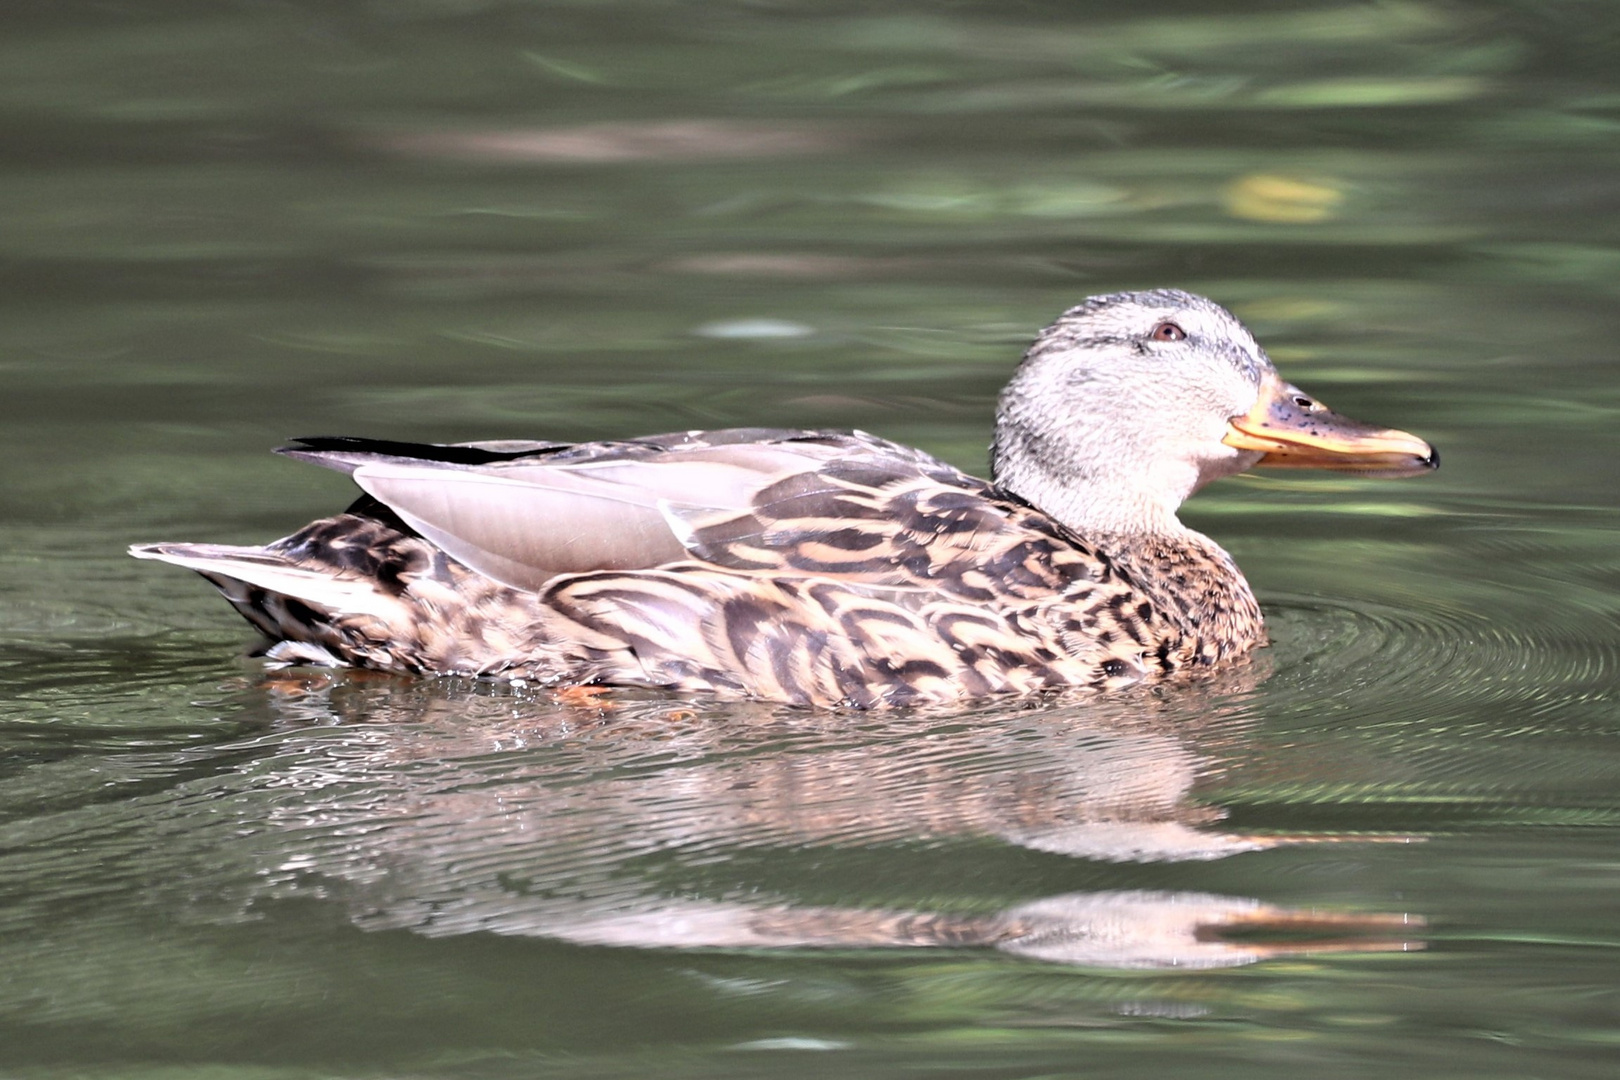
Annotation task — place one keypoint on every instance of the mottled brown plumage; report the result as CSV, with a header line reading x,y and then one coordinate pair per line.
x,y
819,568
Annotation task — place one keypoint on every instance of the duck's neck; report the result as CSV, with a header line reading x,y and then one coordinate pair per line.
x,y
1122,511
1096,502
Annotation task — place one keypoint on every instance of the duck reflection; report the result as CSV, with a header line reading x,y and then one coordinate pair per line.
x,y
629,821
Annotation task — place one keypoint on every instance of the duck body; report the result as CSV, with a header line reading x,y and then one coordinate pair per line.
x,y
859,572
807,567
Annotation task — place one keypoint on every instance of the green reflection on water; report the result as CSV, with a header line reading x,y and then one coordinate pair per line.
x,y
450,220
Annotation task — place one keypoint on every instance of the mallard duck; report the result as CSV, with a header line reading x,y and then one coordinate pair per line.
x,y
821,567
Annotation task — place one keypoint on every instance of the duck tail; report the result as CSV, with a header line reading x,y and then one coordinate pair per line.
x,y
295,607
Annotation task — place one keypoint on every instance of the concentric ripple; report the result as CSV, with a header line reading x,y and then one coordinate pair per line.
x,y
1430,716
1409,658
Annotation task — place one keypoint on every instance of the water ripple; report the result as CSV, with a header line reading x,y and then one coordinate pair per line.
x,y
1407,659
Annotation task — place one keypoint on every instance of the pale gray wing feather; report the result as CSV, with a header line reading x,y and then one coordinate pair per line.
x,y
515,446
523,523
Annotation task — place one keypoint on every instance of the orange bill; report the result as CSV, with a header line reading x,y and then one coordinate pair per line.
x,y
1295,431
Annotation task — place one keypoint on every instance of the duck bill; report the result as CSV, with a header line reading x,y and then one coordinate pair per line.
x,y
1294,431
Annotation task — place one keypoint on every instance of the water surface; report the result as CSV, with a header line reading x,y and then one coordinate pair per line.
x,y
442,219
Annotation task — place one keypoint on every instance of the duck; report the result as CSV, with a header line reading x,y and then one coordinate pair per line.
x,y
813,567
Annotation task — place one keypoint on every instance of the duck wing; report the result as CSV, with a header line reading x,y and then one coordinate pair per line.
x,y
844,505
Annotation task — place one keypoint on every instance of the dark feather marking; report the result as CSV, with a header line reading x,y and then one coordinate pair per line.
x,y
315,445
303,612
873,566
853,618
911,669
741,617
850,539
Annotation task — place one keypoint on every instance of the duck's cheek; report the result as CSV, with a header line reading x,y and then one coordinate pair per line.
x,y
1213,446
1225,461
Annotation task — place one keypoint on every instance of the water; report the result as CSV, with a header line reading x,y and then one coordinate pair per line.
x,y
449,219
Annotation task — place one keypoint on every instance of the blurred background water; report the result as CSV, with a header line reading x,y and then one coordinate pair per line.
x,y
223,224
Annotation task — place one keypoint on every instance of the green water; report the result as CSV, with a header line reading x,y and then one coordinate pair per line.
x,y
225,224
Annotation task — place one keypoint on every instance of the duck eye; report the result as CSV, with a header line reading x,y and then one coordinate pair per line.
x,y
1168,331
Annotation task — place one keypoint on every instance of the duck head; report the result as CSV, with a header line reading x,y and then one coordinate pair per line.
x,y
1130,402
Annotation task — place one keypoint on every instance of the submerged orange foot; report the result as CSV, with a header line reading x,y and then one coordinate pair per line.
x,y
585,697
